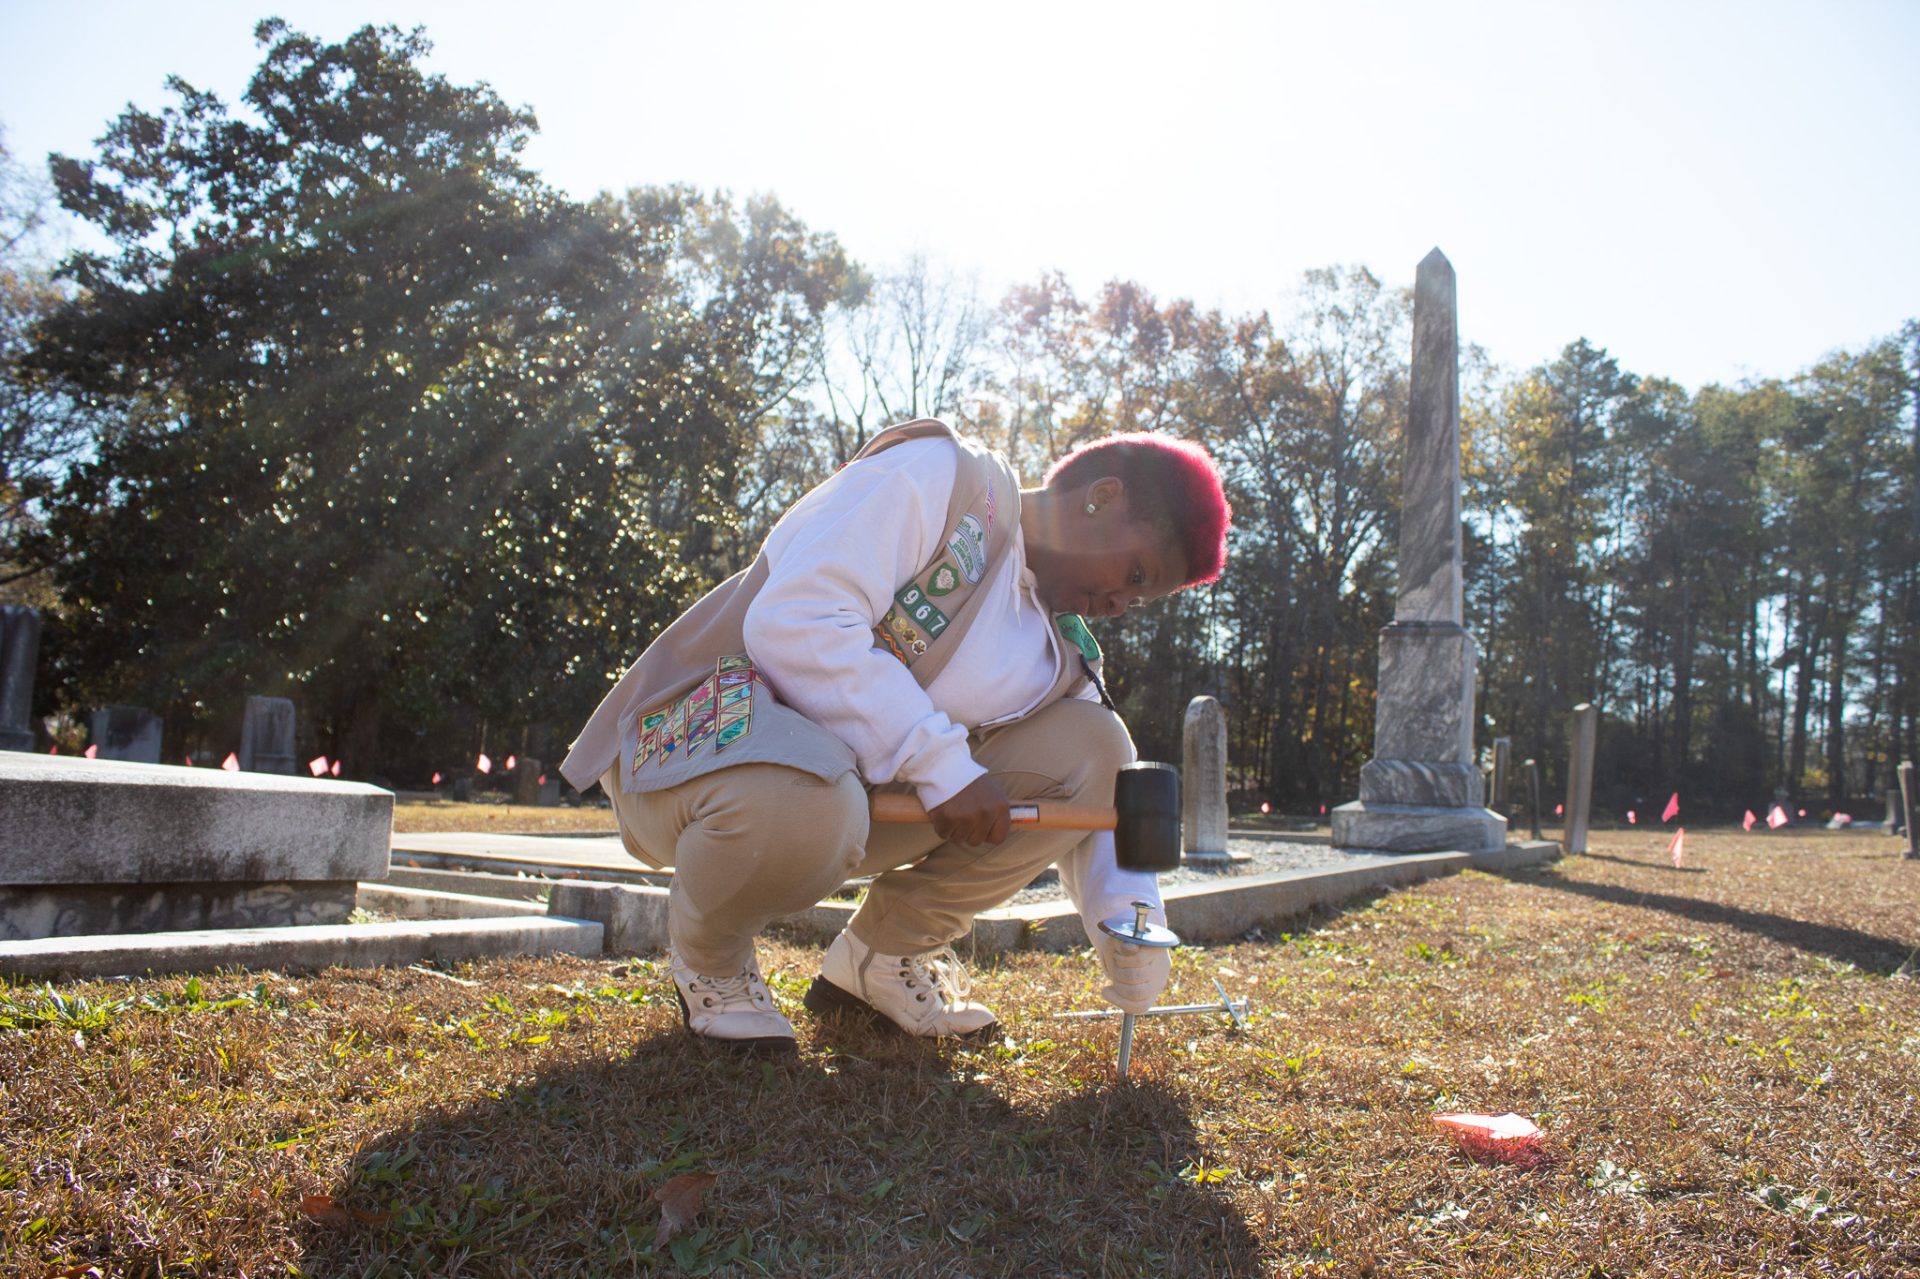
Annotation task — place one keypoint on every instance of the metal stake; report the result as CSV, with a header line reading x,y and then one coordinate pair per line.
x,y
1138,932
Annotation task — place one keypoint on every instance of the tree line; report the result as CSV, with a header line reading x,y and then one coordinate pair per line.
x,y
342,402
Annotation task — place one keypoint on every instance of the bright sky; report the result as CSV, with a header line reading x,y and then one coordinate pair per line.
x,y
1709,190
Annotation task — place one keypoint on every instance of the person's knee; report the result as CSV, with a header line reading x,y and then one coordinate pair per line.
x,y
1102,747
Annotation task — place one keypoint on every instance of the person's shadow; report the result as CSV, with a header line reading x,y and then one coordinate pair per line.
x,y
869,1155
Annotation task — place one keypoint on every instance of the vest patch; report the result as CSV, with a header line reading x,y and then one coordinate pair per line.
x,y
1074,628
968,542
718,709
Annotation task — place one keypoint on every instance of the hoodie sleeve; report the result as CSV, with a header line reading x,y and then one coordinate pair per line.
x,y
834,562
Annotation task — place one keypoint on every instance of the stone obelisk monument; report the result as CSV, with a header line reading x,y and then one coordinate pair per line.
x,y
1421,792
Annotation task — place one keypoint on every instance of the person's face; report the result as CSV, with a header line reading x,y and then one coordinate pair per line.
x,y
1104,563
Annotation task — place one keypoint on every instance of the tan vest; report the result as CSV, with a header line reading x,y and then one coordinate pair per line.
x,y
693,702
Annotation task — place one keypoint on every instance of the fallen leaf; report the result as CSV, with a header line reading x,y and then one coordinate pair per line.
x,y
680,1201
325,1208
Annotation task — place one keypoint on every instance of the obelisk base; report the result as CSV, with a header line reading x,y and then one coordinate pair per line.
x,y
1418,828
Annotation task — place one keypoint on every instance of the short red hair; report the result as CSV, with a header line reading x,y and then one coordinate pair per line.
x,y
1170,482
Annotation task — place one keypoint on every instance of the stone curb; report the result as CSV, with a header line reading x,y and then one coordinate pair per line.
x,y
428,903
518,888
635,915
305,947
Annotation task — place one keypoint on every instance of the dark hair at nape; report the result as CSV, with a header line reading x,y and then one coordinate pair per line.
x,y
1171,483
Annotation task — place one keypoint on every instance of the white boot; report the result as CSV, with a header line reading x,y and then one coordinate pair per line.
x,y
923,995
736,1010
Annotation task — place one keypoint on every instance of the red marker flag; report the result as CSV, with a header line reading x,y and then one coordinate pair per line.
x,y
543,779
484,764
189,761
511,761
231,763
318,765
53,750
436,779
1777,818
1559,810
1803,812
1746,823
1673,808
1265,807
1631,819
91,751
1502,1137
335,770
1676,849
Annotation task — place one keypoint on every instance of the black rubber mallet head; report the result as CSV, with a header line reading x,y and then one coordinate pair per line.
x,y
1146,826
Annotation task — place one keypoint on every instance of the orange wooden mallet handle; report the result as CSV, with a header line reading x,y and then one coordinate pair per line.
x,y
891,806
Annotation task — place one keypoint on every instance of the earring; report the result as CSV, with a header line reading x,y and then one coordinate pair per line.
x,y
1091,508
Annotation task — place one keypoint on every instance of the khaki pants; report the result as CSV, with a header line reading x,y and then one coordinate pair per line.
x,y
752,843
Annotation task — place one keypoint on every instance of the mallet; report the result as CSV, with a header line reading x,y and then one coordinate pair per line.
x,y
1144,819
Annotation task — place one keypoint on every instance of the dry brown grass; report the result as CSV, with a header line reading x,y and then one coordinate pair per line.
x,y
1724,1060
423,816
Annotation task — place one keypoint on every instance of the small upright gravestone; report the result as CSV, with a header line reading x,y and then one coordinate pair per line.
x,y
1584,737
266,736
19,652
526,781
1203,781
130,733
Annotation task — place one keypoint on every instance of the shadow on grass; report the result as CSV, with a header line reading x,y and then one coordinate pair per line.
x,y
868,1156
1867,951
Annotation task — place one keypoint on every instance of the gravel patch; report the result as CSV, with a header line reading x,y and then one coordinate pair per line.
x,y
1262,857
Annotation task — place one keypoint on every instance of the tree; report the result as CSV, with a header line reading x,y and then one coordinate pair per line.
x,y
41,431
386,404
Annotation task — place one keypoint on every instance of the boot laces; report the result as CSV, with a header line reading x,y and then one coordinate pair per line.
x,y
744,987
941,971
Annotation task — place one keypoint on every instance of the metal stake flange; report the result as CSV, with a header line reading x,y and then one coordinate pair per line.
x,y
1136,931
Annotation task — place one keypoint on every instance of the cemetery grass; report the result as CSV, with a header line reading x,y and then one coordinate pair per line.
x,y
1722,1057
420,816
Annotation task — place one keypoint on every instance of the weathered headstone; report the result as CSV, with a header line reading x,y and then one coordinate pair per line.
x,y
1502,758
266,736
19,654
107,846
526,781
550,793
1422,792
1533,798
1584,736
1907,794
129,733
1203,781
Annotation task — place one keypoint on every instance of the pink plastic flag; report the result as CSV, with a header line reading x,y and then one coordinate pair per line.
x,y
1746,823
1265,807
231,763
53,750
1501,1137
1803,812
1777,818
512,760
92,751
543,779
1677,849
1559,810
335,770
318,764
436,779
1323,810
484,764
1632,820
189,761
1673,808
